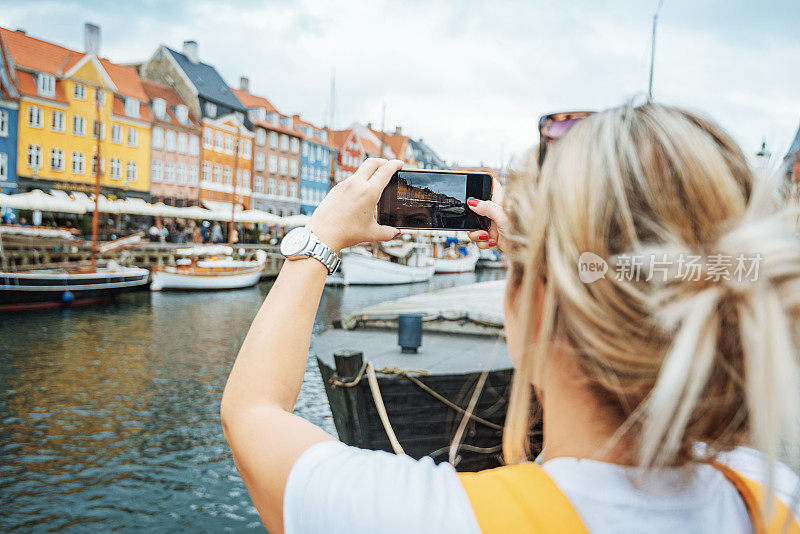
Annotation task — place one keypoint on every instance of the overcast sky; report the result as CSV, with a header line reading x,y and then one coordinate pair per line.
x,y
438,183
469,77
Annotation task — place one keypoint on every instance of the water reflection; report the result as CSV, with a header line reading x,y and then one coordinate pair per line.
x,y
110,414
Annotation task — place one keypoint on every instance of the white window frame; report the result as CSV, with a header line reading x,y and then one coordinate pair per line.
x,y
182,114
261,137
57,121
295,145
130,171
79,91
260,162
273,139
158,138
247,147
57,157
46,84
35,116
78,162
194,145
169,173
218,141
208,138
193,175
258,184
282,188
180,177
293,168
183,143
78,125
228,144
160,108
273,164
155,171
170,141
217,177
131,107
4,119
3,166
284,142
227,175
115,169
283,166
207,171
35,156
133,136
211,109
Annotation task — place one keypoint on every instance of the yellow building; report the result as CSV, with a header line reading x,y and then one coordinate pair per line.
x,y
60,119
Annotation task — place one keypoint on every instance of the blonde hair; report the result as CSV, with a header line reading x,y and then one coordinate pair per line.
x,y
675,362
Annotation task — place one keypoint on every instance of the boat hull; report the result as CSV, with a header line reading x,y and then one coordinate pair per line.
x,y
46,289
423,425
366,270
460,265
171,278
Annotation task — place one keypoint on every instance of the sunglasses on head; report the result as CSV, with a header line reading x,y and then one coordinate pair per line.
x,y
554,126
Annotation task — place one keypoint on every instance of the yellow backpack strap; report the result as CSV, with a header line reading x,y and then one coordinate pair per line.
x,y
520,498
755,496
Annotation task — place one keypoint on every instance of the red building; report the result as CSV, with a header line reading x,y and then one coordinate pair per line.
x,y
350,153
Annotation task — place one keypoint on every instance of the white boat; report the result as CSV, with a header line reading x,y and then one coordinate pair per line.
x,y
211,273
462,264
406,263
491,259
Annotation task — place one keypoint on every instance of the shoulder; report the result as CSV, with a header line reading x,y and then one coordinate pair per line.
x,y
753,465
336,488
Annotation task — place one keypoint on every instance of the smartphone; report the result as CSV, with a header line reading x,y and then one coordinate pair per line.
x,y
430,199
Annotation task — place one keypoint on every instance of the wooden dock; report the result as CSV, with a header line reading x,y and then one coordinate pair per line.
x,y
143,255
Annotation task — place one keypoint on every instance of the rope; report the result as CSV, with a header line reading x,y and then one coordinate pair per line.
x,y
376,396
407,373
462,425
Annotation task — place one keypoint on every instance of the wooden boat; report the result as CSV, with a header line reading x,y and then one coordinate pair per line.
x,y
52,288
57,285
401,263
218,270
426,394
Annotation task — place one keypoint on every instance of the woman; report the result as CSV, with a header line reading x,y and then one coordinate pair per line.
x,y
650,385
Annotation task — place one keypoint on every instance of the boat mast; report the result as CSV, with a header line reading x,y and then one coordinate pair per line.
x,y
97,161
235,170
653,51
383,129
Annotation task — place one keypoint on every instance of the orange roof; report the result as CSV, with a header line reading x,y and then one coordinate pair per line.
x,y
27,86
34,54
252,101
339,137
297,121
165,93
118,109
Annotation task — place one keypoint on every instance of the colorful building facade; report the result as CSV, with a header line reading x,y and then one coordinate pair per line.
x,y
67,100
349,154
316,165
227,135
175,148
276,160
9,113
425,157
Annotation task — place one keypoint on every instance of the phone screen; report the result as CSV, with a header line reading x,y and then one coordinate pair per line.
x,y
434,199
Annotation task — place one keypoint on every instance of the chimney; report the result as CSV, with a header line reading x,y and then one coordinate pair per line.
x,y
244,84
190,51
23,31
91,38
398,130
369,125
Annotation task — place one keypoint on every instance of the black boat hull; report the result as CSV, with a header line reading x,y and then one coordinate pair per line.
x,y
424,425
27,291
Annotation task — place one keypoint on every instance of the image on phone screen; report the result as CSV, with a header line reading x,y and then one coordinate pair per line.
x,y
434,199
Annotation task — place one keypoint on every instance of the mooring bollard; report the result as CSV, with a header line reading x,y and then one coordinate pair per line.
x,y
348,363
409,332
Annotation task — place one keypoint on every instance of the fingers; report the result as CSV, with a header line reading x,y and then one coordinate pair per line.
x,y
367,168
385,233
491,209
484,238
380,178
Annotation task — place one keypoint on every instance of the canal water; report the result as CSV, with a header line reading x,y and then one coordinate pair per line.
x,y
109,416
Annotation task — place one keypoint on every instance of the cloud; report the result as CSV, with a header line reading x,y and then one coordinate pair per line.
x,y
470,77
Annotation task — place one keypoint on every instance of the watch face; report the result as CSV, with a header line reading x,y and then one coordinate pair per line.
x,y
294,241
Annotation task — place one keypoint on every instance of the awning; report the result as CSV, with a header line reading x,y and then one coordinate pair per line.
x,y
218,205
41,201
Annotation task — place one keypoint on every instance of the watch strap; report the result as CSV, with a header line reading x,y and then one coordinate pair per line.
x,y
321,252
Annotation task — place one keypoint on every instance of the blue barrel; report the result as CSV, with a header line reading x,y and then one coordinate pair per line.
x,y
409,332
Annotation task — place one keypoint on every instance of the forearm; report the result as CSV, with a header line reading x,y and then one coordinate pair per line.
x,y
270,366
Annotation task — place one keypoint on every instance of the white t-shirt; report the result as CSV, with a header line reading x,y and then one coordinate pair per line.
x,y
337,488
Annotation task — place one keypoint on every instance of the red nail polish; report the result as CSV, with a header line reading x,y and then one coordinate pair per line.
x,y
483,237
492,243
472,202
397,234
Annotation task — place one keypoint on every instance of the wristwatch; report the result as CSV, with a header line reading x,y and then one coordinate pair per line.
x,y
301,242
